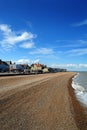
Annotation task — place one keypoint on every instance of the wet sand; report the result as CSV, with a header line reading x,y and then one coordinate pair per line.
x,y
39,102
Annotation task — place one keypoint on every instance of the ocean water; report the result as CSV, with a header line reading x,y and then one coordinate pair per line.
x,y
79,83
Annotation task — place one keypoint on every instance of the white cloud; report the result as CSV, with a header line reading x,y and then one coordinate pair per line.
x,y
11,38
5,28
42,51
22,61
72,43
36,61
27,61
27,45
78,52
80,23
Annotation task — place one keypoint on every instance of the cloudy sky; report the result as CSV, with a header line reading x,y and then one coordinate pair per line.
x,y
51,32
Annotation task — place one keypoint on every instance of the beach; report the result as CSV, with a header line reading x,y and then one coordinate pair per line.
x,y
40,102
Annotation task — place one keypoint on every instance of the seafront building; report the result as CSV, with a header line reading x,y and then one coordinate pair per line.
x,y
8,66
39,68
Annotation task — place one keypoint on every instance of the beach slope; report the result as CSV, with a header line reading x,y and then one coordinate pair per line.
x,y
36,102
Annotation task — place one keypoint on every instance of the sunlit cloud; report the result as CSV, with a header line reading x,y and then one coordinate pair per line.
x,y
77,52
36,61
72,43
11,38
42,51
23,61
27,45
27,61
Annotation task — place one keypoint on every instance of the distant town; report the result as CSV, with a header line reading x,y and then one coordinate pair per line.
x,y
37,68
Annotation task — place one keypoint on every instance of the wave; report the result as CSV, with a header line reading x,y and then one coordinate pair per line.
x,y
80,91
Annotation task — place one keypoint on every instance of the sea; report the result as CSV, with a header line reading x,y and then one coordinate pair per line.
x,y
79,83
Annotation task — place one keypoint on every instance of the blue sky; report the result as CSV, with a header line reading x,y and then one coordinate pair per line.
x,y
51,32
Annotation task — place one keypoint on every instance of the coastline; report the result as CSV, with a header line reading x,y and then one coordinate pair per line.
x,y
79,110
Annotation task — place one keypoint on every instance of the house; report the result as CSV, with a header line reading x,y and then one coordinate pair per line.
x,y
18,68
26,68
4,67
12,66
37,68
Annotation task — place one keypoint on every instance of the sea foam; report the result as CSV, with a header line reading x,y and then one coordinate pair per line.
x,y
80,91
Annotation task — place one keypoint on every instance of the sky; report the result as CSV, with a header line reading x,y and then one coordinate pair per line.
x,y
50,32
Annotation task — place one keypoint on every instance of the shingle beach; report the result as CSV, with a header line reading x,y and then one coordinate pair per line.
x,y
40,102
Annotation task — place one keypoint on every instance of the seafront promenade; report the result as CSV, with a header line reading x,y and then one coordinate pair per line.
x,y
37,102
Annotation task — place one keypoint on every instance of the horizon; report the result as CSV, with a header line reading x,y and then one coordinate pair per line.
x,y
49,32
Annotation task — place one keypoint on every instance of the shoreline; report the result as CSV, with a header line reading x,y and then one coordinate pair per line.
x,y
79,110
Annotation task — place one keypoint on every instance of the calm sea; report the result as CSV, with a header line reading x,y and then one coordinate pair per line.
x,y
79,83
